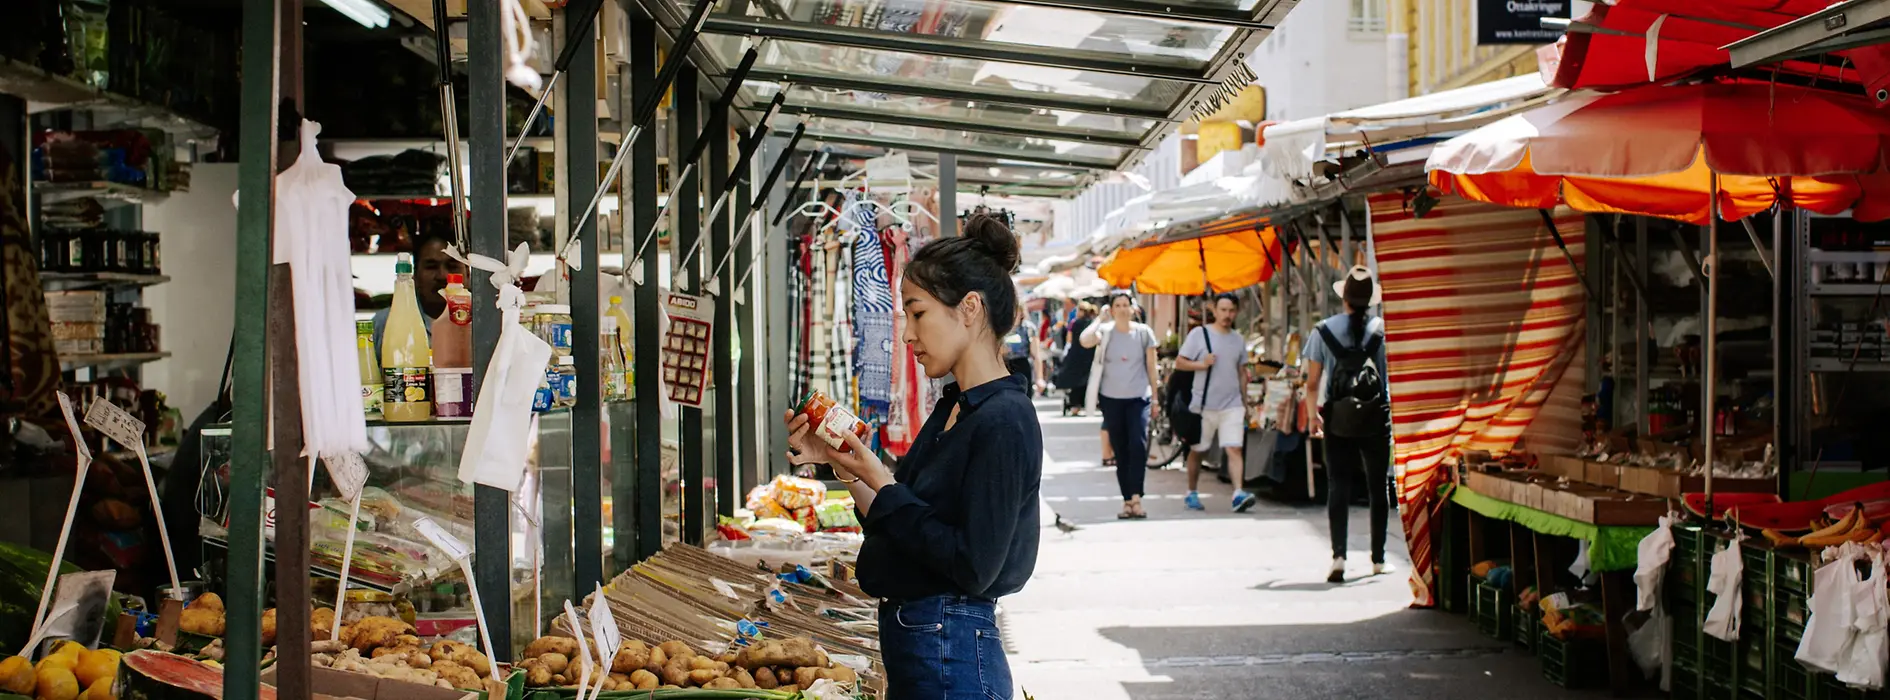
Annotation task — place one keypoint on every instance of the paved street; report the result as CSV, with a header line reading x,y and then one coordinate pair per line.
x,y
1219,605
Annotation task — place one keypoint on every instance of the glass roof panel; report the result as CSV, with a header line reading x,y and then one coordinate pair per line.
x,y
1122,36
971,114
1021,147
894,70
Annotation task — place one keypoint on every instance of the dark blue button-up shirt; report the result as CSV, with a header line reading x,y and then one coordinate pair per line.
x,y
962,518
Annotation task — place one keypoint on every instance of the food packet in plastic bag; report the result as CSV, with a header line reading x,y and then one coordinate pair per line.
x,y
795,493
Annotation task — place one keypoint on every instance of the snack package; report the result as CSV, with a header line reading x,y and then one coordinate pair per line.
x,y
769,508
807,518
837,515
794,493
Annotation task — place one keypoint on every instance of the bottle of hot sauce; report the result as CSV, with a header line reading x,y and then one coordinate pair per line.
x,y
831,420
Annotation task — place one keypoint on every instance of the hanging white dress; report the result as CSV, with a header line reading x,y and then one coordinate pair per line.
x,y
1829,630
1722,621
1868,628
311,235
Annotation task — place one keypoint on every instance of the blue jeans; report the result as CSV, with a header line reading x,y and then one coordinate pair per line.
x,y
943,648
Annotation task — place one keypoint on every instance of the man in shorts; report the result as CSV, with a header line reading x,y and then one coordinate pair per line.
x,y
1220,380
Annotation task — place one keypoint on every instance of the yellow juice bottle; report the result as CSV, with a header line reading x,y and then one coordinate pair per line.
x,y
406,357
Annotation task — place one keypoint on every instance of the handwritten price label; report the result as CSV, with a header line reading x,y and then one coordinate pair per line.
x,y
116,424
349,473
604,628
445,541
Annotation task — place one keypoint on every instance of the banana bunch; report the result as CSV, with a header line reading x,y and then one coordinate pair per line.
x,y
1853,527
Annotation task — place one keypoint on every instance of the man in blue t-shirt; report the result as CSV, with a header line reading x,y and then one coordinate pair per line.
x,y
1214,353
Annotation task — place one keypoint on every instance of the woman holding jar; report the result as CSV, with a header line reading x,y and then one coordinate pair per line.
x,y
956,526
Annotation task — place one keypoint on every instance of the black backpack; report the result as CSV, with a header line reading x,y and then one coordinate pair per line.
x,y
1356,402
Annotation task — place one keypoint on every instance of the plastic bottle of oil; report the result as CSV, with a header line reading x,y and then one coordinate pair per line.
x,y
406,358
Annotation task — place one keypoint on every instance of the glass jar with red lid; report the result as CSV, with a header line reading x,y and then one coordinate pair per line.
x,y
830,420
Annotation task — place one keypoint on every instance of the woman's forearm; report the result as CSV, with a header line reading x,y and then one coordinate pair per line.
x,y
862,495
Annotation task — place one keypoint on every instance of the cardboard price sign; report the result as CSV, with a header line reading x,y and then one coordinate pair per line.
x,y
349,472
116,424
604,628
443,540
686,347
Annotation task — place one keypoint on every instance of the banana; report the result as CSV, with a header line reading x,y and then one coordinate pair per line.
x,y
1779,539
1874,538
1843,526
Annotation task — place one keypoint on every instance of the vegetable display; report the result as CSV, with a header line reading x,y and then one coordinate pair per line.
x,y
783,666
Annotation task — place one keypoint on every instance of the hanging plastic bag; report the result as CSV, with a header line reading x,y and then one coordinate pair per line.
x,y
1648,644
1829,630
311,237
1722,621
1868,645
499,442
1580,569
1655,550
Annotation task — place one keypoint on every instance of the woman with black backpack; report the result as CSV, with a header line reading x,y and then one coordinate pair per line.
x,y
1345,363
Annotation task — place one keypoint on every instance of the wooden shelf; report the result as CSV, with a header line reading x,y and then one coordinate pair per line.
x,y
60,281
45,92
50,192
1829,364
110,360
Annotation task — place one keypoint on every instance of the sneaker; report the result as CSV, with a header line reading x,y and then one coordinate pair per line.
x,y
1243,501
1338,572
1382,569
1194,501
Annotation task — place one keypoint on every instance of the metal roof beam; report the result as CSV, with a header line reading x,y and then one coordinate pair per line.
x,y
1046,101
921,146
954,47
1794,37
1224,17
1100,138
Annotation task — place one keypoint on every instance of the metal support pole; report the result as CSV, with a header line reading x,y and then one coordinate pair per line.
x,y
749,460
770,291
1709,423
1597,304
292,486
449,118
947,195
685,199
794,193
1759,246
646,483
1643,334
255,224
577,157
485,104
727,383
1787,330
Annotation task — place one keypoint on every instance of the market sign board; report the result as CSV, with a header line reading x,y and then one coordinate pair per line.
x,y
1502,22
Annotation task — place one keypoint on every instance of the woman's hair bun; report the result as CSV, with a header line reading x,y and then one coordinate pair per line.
x,y
996,239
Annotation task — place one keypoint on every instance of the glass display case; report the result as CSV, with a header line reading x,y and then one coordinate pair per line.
x,y
413,471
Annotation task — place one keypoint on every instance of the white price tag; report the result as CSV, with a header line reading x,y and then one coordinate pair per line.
x,y
445,541
72,423
584,648
349,472
115,423
724,588
604,628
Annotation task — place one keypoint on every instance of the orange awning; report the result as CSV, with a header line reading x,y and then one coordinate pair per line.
x,y
1219,263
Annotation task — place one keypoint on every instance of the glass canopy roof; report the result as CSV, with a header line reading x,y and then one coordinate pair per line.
x,y
1070,85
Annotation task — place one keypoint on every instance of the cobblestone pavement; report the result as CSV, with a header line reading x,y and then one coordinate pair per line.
x,y
1205,605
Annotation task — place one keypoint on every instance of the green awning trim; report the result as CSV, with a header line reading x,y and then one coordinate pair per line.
x,y
1610,547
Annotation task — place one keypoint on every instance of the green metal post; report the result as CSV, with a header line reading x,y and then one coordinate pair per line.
x,y
726,333
686,212
646,483
485,119
579,153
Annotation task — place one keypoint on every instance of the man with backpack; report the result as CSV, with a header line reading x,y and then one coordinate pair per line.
x,y
1215,354
1345,363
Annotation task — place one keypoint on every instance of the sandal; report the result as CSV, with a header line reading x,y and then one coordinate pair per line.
x,y
1139,514
1109,462
1126,514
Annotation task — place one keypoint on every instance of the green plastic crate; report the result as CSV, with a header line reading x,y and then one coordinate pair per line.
x,y
1791,571
1528,627
1492,609
1685,683
1572,663
1790,680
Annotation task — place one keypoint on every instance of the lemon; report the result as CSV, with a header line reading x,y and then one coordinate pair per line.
x,y
16,676
95,666
65,661
101,690
56,683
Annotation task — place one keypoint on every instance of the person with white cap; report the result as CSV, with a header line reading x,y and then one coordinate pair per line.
x,y
1345,375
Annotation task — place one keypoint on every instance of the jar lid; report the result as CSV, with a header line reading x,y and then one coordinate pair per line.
x,y
567,360
554,309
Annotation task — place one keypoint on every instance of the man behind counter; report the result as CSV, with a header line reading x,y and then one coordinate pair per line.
x,y
430,268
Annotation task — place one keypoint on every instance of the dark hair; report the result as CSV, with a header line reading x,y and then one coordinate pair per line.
x,y
980,260
1121,295
1227,296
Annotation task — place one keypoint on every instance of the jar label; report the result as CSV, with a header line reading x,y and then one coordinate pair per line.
x,y
452,393
459,309
838,422
406,385
561,337
371,397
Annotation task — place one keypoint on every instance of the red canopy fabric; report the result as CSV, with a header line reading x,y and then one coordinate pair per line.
x,y
1686,37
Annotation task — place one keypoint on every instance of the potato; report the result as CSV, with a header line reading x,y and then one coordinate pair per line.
x,y
558,679
537,676
805,676
743,678
658,659
727,659
674,649
676,671
630,656
698,663
765,680
376,632
557,662
465,656
789,689
722,684
842,674
399,651
792,652
548,644
460,676
644,680
202,621
702,677
207,601
418,660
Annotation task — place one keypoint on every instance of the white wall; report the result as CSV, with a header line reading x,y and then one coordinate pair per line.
x,y
196,310
1314,63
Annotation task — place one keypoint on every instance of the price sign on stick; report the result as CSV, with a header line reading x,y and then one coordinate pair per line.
x,y
349,472
118,425
604,628
584,649
72,510
462,555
